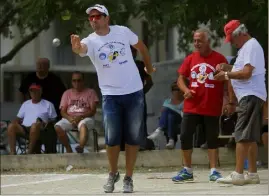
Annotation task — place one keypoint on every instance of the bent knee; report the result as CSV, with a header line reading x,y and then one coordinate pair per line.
x,y
213,144
186,137
13,128
186,141
36,125
35,128
83,126
58,129
112,141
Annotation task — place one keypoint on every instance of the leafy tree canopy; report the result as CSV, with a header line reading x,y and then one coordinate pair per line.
x,y
33,16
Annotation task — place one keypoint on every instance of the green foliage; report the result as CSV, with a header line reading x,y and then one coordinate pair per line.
x,y
187,15
33,16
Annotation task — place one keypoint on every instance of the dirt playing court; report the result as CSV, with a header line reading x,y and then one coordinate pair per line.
x,y
145,183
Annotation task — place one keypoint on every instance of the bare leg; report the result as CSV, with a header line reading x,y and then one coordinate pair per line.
x,y
252,157
13,130
83,132
130,159
34,136
113,155
187,158
241,154
63,138
213,157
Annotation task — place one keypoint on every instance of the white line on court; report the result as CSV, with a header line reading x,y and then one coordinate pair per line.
x,y
58,177
49,174
161,174
39,182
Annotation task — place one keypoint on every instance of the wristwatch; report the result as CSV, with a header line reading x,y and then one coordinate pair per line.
x,y
226,75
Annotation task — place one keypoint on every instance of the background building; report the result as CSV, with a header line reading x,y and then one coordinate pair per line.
x,y
164,54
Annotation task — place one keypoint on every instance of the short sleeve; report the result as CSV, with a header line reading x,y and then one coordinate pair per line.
x,y
250,55
133,38
184,68
51,111
87,42
93,98
64,100
21,112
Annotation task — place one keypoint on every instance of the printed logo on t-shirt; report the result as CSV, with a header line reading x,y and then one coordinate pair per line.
x,y
194,84
102,56
111,46
77,106
112,56
201,72
112,51
209,85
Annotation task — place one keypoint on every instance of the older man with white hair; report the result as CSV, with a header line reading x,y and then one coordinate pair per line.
x,y
248,80
202,104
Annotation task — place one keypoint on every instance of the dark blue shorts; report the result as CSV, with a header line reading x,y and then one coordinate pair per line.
x,y
123,113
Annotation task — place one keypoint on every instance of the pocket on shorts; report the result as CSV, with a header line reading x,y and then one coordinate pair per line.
x,y
110,105
106,100
243,104
139,97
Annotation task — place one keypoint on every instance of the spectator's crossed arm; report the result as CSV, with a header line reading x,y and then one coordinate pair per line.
x,y
64,106
93,101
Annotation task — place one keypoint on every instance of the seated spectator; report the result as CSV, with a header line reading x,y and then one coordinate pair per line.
x,y
52,86
170,117
78,106
52,91
32,118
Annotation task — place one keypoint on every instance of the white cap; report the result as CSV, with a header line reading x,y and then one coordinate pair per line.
x,y
98,7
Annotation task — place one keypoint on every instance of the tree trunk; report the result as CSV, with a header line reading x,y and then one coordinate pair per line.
x,y
9,56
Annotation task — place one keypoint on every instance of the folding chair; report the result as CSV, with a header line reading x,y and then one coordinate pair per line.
x,y
22,145
73,139
3,136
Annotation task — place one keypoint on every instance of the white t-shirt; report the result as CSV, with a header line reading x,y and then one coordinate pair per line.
x,y
113,60
250,53
30,111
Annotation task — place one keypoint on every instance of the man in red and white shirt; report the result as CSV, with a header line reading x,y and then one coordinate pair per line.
x,y
203,102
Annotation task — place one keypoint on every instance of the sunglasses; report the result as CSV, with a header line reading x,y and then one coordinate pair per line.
x,y
76,80
96,17
34,90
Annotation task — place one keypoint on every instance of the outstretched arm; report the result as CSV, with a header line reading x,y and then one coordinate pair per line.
x,y
77,46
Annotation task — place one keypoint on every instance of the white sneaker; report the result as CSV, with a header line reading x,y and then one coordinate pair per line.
x,y
157,133
252,179
234,178
170,144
